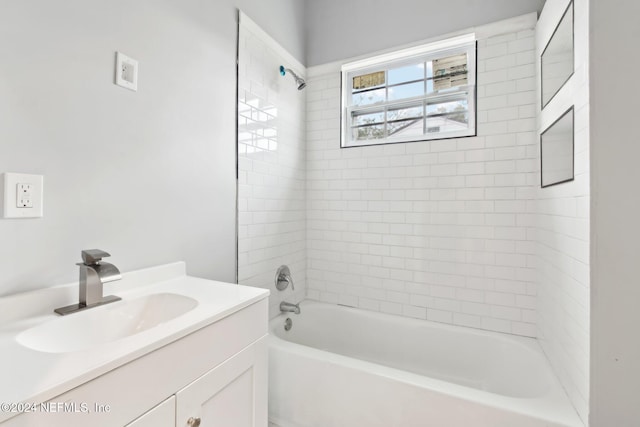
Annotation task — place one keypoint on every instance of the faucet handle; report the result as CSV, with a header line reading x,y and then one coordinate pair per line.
x,y
93,256
283,278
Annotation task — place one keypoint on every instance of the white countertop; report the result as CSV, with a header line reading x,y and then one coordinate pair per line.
x,y
32,376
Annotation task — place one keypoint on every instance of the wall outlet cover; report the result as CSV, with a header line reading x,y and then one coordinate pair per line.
x,y
25,205
126,72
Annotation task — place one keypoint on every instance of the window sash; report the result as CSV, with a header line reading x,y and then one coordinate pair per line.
x,y
466,93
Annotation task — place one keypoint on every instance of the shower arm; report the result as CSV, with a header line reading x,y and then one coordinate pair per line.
x,y
299,80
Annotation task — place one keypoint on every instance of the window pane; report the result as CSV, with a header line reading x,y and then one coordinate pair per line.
x,y
368,132
406,74
406,91
440,108
450,71
447,123
404,113
447,116
366,81
369,97
359,119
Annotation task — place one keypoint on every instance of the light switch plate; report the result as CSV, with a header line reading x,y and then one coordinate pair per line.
x,y
28,204
126,72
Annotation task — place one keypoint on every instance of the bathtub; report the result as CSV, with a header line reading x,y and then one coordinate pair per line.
x,y
341,366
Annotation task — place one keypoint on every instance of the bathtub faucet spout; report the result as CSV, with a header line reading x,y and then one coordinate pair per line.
x,y
290,308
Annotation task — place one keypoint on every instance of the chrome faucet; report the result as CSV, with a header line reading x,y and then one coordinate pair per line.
x,y
94,273
287,307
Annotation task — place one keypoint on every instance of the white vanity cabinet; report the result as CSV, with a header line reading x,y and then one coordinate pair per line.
x,y
217,374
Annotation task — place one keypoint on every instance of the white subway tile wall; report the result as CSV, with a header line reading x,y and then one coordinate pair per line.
x,y
455,231
271,160
563,225
440,230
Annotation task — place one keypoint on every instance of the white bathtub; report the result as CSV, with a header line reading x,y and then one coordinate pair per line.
x,y
341,366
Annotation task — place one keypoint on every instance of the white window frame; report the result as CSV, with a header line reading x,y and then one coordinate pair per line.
x,y
456,45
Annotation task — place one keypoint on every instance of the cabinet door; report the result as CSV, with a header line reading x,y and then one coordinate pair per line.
x,y
163,415
232,394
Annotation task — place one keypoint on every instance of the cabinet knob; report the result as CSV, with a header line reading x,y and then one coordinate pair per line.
x,y
193,422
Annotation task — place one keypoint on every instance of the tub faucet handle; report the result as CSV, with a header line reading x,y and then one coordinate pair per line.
x,y
288,279
283,278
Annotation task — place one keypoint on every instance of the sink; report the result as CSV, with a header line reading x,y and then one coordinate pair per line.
x,y
105,324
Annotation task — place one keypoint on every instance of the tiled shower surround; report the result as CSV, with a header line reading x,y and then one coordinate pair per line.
x,y
271,159
456,231
440,230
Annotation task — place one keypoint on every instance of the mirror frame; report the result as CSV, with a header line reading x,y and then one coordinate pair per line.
x,y
573,54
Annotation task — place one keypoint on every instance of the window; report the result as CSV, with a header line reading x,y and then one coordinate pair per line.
x,y
421,93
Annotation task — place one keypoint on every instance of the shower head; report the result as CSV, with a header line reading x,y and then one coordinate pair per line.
x,y
299,80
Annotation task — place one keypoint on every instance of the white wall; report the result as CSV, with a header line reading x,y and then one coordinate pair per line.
x,y
338,30
563,221
439,230
615,209
271,166
148,176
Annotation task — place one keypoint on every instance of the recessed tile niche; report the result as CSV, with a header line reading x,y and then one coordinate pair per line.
x,y
556,151
557,58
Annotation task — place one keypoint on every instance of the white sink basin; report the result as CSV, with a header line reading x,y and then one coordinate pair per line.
x,y
104,324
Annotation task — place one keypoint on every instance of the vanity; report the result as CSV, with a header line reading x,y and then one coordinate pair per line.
x,y
175,351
